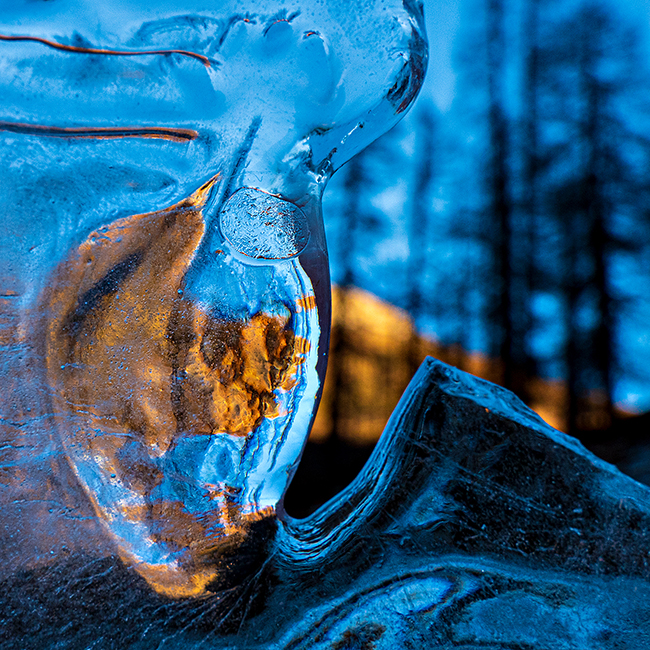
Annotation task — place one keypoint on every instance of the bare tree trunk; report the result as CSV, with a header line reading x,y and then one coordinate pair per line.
x,y
339,349
601,351
501,314
418,236
572,349
526,367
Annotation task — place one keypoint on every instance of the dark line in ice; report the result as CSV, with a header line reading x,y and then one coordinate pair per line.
x,y
250,19
240,159
106,286
101,132
92,50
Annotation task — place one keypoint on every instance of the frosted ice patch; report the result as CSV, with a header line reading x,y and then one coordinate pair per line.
x,y
263,226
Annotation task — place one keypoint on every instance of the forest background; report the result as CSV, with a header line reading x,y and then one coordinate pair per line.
x,y
503,227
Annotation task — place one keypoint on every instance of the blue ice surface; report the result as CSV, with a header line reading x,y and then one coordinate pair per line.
x,y
474,524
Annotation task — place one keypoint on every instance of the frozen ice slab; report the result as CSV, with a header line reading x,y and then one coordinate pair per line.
x,y
473,525
164,283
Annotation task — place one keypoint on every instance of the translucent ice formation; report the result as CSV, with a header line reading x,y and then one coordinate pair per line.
x,y
165,289
163,332
474,525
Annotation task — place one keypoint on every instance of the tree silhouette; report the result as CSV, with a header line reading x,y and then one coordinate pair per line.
x,y
590,61
418,227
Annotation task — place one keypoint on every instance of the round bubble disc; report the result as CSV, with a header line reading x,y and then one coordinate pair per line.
x,y
263,226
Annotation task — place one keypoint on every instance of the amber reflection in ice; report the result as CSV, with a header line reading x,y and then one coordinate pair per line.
x,y
134,365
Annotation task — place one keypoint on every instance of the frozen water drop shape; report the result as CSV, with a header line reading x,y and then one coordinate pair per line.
x,y
165,308
264,226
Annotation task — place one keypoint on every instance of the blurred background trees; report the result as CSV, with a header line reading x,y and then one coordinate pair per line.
x,y
508,235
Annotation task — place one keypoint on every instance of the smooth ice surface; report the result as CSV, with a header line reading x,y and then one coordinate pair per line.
x,y
473,525
165,297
